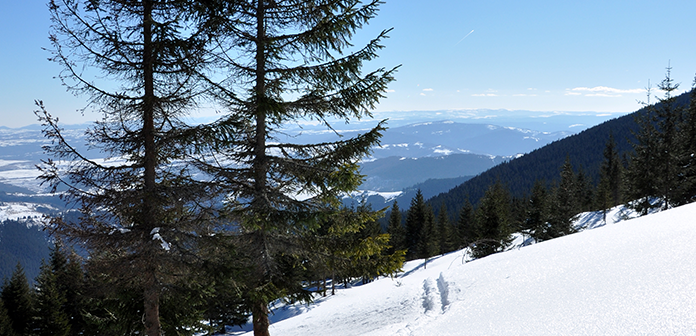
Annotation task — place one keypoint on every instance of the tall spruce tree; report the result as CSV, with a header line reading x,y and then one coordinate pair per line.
x,y
465,225
415,219
610,189
492,226
18,298
429,238
654,168
284,61
564,204
537,213
51,316
444,231
139,64
5,323
686,158
396,230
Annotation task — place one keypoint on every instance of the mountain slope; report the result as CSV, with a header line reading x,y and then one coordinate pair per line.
x,y
585,150
629,278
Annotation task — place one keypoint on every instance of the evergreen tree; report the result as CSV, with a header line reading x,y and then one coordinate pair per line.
x,y
564,204
654,170
610,189
537,213
668,118
290,63
444,231
5,323
429,242
641,176
686,157
465,225
143,213
396,230
17,297
415,220
51,317
492,226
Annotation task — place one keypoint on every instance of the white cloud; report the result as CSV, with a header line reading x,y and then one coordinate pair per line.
x,y
428,90
389,90
523,95
484,95
422,94
601,91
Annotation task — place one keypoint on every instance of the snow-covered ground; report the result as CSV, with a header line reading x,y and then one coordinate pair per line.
x,y
634,277
22,211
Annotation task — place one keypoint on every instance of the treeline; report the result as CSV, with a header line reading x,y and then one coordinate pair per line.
x,y
658,172
70,297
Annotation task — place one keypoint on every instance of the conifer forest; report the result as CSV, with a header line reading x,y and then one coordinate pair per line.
x,y
188,228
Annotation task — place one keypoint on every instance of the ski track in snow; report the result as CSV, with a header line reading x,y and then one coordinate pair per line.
x,y
635,277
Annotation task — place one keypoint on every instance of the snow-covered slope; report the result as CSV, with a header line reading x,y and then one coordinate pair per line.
x,y
635,277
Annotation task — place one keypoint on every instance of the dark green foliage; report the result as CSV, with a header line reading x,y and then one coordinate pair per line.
x,y
492,227
140,65
291,62
429,238
465,225
51,316
415,220
396,230
537,213
610,189
5,323
654,169
17,297
446,239
686,180
564,203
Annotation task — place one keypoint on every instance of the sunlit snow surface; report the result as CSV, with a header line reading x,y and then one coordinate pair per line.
x,y
21,211
635,277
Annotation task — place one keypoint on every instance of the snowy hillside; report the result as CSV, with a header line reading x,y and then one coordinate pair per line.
x,y
635,277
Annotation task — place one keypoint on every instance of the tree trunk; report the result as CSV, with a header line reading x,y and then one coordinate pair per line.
x,y
261,323
151,293
151,315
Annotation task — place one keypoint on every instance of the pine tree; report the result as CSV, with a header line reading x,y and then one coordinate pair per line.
x,y
396,230
686,157
5,323
429,242
51,317
444,231
17,297
654,168
142,212
564,204
537,213
492,226
465,225
290,63
610,189
415,220
668,118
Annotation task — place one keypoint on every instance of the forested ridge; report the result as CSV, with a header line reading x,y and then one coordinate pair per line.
x,y
583,149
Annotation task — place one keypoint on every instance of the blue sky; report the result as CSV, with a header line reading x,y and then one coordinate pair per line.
x,y
538,55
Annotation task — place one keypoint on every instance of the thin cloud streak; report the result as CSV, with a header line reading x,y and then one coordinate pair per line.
x,y
467,35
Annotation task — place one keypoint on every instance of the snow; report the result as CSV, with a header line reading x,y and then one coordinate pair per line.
x,y
21,211
631,277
